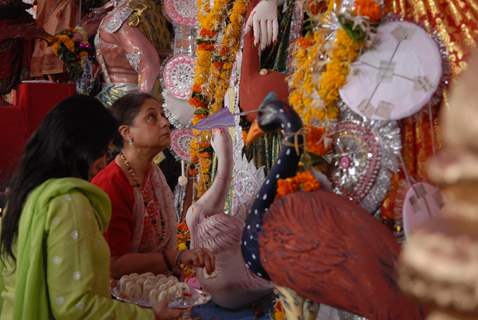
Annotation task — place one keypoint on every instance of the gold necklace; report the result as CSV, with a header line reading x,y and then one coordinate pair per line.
x,y
131,172
136,184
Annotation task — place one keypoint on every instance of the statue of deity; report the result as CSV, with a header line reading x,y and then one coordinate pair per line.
x,y
271,27
130,42
53,16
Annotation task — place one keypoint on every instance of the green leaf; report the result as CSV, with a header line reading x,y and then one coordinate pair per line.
x,y
356,34
201,111
208,149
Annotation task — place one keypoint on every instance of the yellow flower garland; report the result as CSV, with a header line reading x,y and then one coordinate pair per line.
x,y
314,93
222,69
209,23
343,53
212,72
303,96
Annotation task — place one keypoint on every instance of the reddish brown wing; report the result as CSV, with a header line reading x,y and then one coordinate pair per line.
x,y
332,251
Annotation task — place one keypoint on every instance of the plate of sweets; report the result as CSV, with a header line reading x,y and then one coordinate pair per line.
x,y
148,289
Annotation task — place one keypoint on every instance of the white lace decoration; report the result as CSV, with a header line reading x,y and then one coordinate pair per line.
x,y
119,17
134,59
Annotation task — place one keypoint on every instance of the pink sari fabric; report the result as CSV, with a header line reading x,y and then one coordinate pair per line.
x,y
153,200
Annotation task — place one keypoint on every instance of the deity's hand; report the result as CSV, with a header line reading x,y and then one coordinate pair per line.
x,y
222,144
263,21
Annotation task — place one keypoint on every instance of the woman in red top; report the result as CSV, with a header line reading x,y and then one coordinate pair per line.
x,y
142,231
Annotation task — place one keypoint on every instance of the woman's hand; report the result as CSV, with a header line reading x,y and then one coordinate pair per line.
x,y
163,312
199,258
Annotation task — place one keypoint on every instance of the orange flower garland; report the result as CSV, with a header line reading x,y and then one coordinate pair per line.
x,y
344,51
368,8
223,61
303,84
314,88
209,23
304,181
315,142
183,236
212,73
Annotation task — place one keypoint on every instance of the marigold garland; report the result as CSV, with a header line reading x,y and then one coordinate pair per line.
x,y
304,181
314,85
183,237
213,69
369,8
344,51
73,54
224,59
303,95
315,142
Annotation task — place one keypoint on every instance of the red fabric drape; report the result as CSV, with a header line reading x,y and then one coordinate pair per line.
x,y
36,99
18,122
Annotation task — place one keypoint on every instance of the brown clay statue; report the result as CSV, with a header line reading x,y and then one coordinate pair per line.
x,y
317,246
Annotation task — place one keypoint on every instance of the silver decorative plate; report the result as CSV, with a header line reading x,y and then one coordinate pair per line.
x,y
178,76
197,297
366,153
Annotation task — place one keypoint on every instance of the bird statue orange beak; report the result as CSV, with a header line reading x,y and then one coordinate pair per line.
x,y
253,133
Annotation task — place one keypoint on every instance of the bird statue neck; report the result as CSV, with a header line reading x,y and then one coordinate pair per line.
x,y
285,167
214,199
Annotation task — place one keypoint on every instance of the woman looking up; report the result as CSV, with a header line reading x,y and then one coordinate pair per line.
x,y
142,232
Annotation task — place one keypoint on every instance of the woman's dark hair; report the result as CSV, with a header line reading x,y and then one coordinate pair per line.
x,y
125,109
72,136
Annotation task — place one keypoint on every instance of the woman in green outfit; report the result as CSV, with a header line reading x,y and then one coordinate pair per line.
x,y
55,263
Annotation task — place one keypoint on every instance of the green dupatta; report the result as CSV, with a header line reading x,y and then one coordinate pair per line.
x,y
31,291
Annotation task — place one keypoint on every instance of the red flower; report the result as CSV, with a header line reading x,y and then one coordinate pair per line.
x,y
197,103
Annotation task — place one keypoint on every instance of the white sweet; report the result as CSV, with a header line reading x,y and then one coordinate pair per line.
x,y
133,290
170,283
162,281
160,277
172,293
172,278
163,287
153,296
122,283
152,288
148,286
147,275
